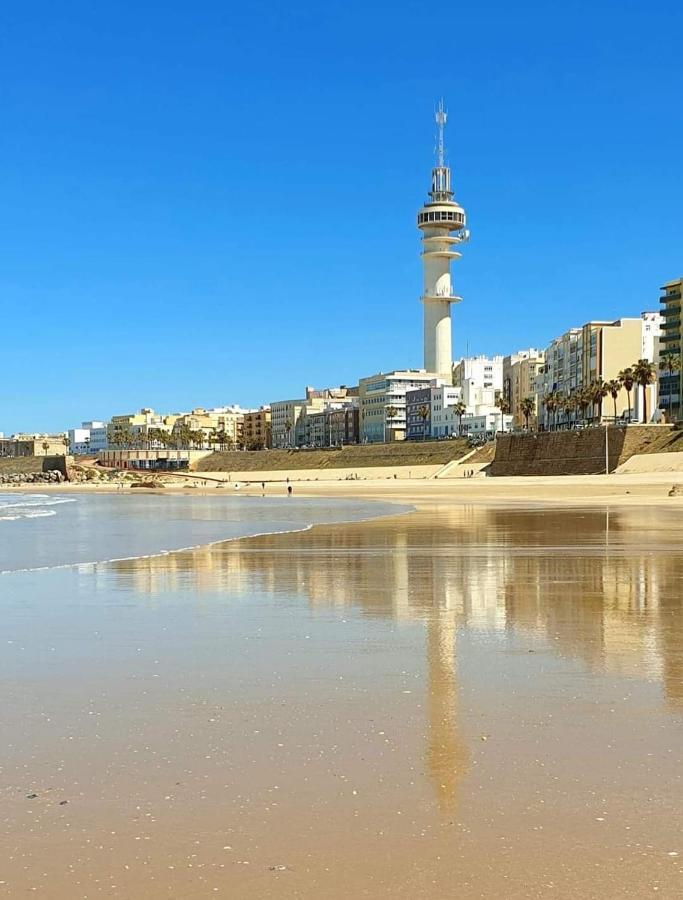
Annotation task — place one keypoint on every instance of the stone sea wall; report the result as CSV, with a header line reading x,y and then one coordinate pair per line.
x,y
579,452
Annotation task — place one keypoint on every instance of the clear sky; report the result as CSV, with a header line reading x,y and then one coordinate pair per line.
x,y
208,203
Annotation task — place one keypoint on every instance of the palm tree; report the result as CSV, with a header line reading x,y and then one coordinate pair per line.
x,y
598,392
527,407
559,405
222,438
613,387
183,437
550,404
459,409
46,447
423,413
570,406
583,400
671,364
628,379
390,414
503,405
645,374
288,429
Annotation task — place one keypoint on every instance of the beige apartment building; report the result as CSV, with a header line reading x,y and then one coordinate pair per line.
x,y
519,382
288,420
221,426
257,430
598,350
122,429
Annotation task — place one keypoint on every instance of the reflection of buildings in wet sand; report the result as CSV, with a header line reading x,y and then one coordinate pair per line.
x,y
609,596
447,754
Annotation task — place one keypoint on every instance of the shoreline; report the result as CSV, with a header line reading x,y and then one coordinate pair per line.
x,y
589,490
400,509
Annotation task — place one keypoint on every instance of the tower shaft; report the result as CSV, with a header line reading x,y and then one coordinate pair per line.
x,y
442,222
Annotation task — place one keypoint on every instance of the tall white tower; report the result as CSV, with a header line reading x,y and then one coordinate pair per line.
x,y
442,223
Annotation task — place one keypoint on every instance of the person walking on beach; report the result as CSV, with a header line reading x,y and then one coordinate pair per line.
x,y
289,490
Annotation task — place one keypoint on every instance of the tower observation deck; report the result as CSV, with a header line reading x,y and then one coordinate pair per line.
x,y
442,223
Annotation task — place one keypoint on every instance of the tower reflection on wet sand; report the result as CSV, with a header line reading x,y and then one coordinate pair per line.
x,y
608,597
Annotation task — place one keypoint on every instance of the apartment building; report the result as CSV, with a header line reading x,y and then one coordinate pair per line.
x,y
671,348
419,414
598,350
123,429
226,421
288,426
91,437
382,402
333,425
519,382
256,429
344,425
427,411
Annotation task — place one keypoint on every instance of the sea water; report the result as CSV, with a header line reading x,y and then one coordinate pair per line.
x,y
39,530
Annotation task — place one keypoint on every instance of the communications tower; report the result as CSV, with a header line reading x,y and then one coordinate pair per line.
x,y
442,223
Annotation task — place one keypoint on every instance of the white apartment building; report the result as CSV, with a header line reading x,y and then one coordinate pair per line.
x,y
382,402
91,437
484,371
652,323
443,398
481,380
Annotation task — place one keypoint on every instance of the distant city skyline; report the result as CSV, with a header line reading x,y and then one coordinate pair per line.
x,y
216,205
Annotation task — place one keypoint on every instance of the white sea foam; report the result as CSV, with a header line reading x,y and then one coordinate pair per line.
x,y
36,500
15,507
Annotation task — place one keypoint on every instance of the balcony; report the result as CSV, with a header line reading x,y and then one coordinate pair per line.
x,y
450,297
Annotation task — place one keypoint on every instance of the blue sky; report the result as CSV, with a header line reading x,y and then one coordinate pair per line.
x,y
211,203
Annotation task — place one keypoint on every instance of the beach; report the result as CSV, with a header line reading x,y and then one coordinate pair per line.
x,y
397,485
478,694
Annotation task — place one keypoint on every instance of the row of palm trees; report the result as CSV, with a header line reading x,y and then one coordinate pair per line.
x,y
183,438
579,402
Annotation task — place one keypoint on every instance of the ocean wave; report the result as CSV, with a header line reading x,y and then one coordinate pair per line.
x,y
38,514
33,500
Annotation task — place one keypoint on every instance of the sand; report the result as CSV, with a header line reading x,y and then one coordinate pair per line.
x,y
617,489
476,699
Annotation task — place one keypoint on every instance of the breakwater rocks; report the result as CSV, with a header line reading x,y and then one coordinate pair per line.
x,y
94,475
52,476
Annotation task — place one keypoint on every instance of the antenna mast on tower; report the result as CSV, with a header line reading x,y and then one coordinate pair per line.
x,y
441,117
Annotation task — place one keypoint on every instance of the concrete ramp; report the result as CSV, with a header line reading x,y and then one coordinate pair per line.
x,y
652,462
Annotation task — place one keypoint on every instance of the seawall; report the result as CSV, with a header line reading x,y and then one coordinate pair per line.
x,y
351,458
579,452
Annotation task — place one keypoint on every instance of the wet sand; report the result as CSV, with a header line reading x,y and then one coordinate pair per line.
x,y
465,701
